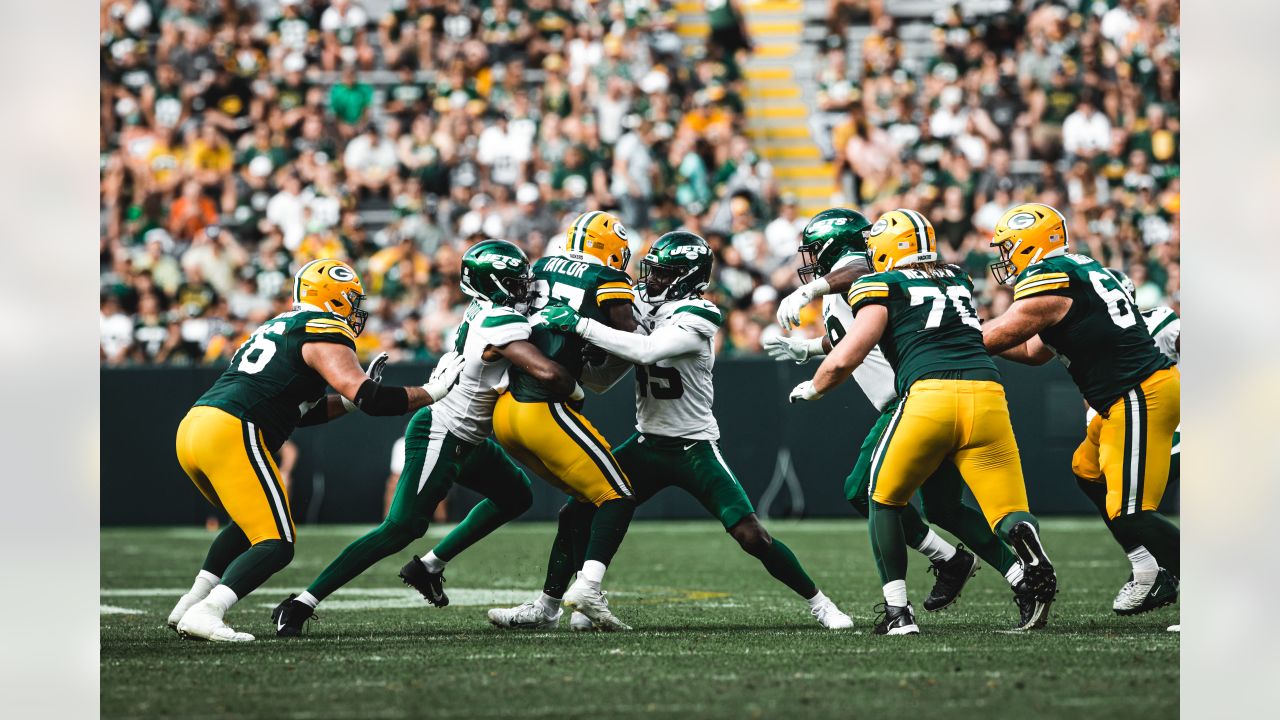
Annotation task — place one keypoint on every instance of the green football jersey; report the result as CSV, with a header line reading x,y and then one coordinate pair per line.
x,y
587,288
932,328
267,382
1102,339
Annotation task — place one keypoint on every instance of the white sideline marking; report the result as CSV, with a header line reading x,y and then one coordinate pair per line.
x,y
113,610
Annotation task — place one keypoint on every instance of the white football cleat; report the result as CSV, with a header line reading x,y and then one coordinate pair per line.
x,y
1132,595
1176,628
184,604
203,623
525,616
591,602
581,623
830,616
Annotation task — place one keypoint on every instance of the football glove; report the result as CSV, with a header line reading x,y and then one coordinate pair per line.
x,y
445,376
560,318
790,306
374,373
804,391
798,350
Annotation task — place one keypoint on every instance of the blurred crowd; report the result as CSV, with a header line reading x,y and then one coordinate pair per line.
x,y
1073,103
239,140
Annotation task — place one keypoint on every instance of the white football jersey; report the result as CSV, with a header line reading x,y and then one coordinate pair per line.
x,y
875,374
1165,326
674,397
467,411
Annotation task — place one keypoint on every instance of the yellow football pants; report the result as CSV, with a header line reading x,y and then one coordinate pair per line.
x,y
961,421
229,463
1129,447
560,446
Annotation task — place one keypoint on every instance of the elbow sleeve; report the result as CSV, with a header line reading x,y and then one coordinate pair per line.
x,y
375,399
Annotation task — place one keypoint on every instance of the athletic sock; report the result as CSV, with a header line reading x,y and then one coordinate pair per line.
x,y
205,581
1165,543
229,544
1014,574
895,593
308,599
608,529
1096,492
914,527
1144,564
935,548
220,600
783,565
1010,521
549,605
817,599
887,544
255,565
592,573
433,563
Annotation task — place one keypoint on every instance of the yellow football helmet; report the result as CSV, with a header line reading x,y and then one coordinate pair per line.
x,y
1025,235
901,237
333,286
599,235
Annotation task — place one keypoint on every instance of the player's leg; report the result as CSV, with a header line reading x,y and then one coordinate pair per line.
x,y
942,503
575,456
489,471
918,437
231,458
1134,450
949,564
699,468
431,465
991,466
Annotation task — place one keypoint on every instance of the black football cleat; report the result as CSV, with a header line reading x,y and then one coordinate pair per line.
x,y
290,615
952,575
1037,571
431,585
1032,614
894,620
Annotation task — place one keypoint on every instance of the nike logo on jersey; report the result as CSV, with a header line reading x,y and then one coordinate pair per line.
x,y
686,447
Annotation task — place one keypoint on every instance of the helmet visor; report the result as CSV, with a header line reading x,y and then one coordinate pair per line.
x,y
657,279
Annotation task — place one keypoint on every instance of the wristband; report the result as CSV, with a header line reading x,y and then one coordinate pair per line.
x,y
375,399
819,287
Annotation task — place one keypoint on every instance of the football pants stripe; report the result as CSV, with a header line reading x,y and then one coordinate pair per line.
x,y
599,455
878,455
270,484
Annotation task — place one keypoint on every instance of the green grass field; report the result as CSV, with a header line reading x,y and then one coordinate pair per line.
x,y
715,637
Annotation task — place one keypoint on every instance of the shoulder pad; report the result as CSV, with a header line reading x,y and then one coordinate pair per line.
x,y
328,326
697,307
868,287
1039,278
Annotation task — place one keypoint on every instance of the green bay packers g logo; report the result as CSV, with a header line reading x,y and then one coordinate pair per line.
x,y
341,273
1021,221
880,226
620,231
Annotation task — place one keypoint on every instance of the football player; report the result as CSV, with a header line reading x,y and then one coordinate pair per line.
x,y
676,443
953,407
228,440
834,244
1069,306
550,436
449,442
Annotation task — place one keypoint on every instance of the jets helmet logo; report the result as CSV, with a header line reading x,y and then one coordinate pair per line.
x,y
341,273
499,262
1022,221
690,251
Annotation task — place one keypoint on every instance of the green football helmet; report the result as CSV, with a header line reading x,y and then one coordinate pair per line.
x,y
677,266
828,236
497,271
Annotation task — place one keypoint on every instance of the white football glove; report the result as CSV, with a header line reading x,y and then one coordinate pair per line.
x,y
445,376
804,391
797,350
373,372
790,306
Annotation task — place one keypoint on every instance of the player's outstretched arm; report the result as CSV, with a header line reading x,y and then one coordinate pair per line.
x,y
339,367
1008,334
622,315
836,281
665,343
848,354
526,356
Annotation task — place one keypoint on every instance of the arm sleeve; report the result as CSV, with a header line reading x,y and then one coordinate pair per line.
x,y
666,342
